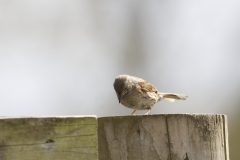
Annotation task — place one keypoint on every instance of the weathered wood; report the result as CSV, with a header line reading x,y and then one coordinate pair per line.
x,y
50,138
163,137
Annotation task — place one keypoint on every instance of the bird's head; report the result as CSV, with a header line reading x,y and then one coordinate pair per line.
x,y
122,85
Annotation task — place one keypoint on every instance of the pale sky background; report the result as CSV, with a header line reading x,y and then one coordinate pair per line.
x,y
61,57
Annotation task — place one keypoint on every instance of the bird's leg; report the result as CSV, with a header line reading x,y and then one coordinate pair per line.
x,y
147,111
132,112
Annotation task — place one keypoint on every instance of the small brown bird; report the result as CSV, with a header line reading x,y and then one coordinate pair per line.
x,y
138,94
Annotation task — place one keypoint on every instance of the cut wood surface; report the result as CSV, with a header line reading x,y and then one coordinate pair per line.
x,y
49,138
140,137
163,137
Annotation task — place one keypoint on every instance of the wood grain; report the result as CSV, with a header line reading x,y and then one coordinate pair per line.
x,y
49,138
163,137
146,137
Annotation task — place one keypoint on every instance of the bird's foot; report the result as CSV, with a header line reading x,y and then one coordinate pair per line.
x,y
132,112
147,112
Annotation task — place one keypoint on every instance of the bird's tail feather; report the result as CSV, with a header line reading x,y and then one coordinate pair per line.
x,y
172,96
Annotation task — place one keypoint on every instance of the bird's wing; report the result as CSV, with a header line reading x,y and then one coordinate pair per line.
x,y
145,86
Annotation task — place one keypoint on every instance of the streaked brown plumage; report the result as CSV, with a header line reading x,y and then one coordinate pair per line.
x,y
138,94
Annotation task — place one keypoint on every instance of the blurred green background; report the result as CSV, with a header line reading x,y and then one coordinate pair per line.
x,y
61,57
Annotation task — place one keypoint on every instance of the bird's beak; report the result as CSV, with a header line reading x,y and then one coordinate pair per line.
x,y
119,98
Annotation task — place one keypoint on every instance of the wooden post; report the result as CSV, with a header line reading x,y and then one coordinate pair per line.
x,y
163,137
52,138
